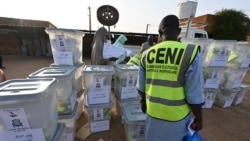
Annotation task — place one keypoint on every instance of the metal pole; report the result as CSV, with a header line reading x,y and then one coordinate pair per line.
x,y
89,19
147,28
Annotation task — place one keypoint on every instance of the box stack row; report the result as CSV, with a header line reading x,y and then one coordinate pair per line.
x,y
98,102
45,105
225,64
128,105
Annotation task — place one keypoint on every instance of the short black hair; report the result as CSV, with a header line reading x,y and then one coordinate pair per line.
x,y
169,22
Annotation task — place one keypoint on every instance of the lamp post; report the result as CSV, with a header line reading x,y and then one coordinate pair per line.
x,y
147,28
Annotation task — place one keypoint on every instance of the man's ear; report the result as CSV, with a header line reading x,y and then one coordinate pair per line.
x,y
179,31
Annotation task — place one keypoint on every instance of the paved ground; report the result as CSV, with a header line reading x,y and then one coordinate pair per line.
x,y
229,124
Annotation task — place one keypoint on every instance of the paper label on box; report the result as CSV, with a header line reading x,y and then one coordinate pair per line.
x,y
220,59
246,62
99,126
209,96
25,135
61,43
63,57
229,102
97,82
140,130
208,103
214,81
130,80
238,80
238,100
14,118
129,92
98,114
96,97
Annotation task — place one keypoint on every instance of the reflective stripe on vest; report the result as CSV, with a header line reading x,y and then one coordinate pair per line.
x,y
135,60
166,98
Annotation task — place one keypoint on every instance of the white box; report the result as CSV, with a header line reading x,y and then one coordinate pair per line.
x,y
213,76
240,56
232,78
97,83
28,103
225,97
135,122
65,96
66,41
219,52
204,44
209,95
78,75
125,81
70,123
99,115
121,103
241,94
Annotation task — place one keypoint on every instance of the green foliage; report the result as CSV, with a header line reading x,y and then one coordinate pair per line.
x,y
230,24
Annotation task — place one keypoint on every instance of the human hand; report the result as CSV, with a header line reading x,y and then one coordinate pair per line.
x,y
113,59
196,125
144,107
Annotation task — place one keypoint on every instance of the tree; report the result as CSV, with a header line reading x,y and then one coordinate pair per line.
x,y
230,24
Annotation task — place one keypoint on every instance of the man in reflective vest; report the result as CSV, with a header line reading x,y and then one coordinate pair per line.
x,y
135,60
171,84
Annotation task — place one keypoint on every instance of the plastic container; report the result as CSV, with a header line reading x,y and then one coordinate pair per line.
x,y
78,75
204,44
225,97
239,57
66,98
97,83
232,78
219,52
135,122
28,103
209,95
241,94
80,101
213,76
120,103
99,116
125,81
58,136
70,123
66,45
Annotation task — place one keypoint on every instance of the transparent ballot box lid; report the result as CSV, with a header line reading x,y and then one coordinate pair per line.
x,y
104,69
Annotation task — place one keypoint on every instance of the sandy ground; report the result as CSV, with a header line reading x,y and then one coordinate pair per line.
x,y
228,124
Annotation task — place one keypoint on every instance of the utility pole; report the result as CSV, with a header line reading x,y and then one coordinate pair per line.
x,y
89,19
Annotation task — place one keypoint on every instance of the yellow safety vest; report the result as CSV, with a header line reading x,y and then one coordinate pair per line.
x,y
166,64
135,60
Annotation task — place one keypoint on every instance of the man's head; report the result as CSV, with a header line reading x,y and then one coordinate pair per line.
x,y
169,28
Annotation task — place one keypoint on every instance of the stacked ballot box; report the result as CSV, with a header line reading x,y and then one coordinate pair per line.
x,y
203,43
99,115
125,91
209,96
134,122
66,45
225,97
28,109
64,90
70,124
241,94
97,101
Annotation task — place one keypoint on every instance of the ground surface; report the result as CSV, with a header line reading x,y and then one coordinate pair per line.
x,y
229,124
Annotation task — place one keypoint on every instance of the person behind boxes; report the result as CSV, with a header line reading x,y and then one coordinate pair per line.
x,y
135,60
2,76
97,48
170,83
